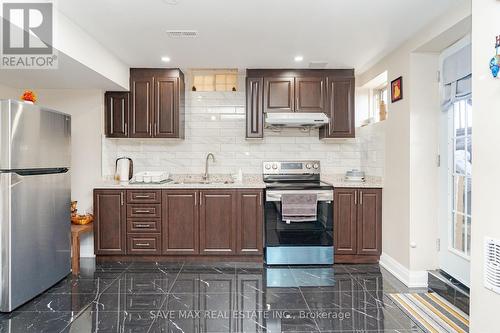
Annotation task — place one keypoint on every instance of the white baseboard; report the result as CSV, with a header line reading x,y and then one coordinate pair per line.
x,y
412,279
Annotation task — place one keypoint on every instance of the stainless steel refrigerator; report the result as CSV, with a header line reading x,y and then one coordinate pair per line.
x,y
35,195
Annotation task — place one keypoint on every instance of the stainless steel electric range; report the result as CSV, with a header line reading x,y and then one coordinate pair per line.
x,y
297,243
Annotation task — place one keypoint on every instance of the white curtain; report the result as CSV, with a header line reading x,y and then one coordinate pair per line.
x,y
457,77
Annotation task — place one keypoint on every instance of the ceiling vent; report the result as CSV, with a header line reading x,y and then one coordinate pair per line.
x,y
492,264
182,33
318,64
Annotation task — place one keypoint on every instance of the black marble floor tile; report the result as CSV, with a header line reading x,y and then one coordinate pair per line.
x,y
58,302
215,297
36,322
286,301
74,285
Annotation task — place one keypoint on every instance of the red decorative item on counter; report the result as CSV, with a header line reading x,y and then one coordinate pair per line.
x,y
29,96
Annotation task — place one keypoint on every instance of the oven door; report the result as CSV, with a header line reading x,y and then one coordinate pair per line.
x,y
301,243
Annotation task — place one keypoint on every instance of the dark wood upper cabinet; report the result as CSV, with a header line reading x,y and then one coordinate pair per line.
x,y
156,108
141,106
358,221
330,91
279,94
254,112
250,222
340,106
110,222
345,230
310,94
116,110
165,120
370,222
218,221
180,222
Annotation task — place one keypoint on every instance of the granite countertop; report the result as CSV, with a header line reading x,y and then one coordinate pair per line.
x,y
190,182
339,181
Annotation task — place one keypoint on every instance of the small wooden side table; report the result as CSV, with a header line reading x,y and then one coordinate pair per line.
x,y
76,231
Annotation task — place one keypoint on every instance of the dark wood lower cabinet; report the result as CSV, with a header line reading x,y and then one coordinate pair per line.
x,y
357,225
187,223
143,244
180,221
218,221
370,222
250,222
345,228
109,227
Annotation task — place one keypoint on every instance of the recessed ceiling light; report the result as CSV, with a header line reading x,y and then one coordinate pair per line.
x,y
165,59
298,58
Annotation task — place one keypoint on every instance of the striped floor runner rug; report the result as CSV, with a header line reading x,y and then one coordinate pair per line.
x,y
433,313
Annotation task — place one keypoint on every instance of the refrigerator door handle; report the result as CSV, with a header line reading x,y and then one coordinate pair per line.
x,y
36,172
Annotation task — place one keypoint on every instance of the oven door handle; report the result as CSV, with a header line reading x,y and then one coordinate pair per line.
x,y
326,195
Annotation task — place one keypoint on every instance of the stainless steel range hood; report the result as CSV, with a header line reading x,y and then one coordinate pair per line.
x,y
296,119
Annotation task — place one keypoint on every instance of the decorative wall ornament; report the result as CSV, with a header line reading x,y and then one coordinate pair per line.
x,y
495,61
397,89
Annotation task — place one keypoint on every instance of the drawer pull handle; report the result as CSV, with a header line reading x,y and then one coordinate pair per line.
x,y
142,211
142,196
142,225
142,244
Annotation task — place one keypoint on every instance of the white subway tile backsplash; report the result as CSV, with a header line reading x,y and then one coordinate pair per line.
x,y
215,122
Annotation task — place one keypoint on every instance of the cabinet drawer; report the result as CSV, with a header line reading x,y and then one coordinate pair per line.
x,y
143,244
144,211
143,196
143,225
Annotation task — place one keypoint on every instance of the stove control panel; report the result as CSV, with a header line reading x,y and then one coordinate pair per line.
x,y
291,167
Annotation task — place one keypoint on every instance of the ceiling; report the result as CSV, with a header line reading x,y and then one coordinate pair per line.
x,y
253,33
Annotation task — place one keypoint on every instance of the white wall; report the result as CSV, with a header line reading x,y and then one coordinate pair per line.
x,y
410,150
484,304
86,109
76,43
424,129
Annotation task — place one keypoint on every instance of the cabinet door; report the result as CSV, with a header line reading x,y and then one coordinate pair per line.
x,y
344,230
310,94
141,106
250,222
166,109
110,222
218,222
116,105
180,222
340,109
255,114
279,94
370,222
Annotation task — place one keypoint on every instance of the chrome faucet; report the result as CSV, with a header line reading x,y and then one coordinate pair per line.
x,y
205,176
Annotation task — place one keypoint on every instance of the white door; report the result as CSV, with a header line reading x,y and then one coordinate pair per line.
x,y
455,214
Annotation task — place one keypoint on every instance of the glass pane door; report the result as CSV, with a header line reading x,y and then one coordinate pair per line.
x,y
460,176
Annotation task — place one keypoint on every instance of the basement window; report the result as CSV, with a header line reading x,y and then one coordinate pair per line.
x,y
372,101
215,80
